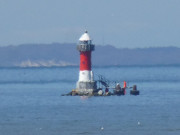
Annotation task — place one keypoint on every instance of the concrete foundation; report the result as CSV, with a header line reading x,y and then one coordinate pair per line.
x,y
86,88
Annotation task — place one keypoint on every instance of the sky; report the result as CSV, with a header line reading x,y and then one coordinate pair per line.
x,y
121,23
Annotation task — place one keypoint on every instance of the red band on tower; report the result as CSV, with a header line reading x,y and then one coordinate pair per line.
x,y
85,60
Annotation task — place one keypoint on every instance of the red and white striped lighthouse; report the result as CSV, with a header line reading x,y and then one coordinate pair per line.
x,y
86,84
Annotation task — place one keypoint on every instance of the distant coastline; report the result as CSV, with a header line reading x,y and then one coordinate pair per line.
x,y
60,55
77,66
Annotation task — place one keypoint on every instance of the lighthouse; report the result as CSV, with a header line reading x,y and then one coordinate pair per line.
x,y
86,84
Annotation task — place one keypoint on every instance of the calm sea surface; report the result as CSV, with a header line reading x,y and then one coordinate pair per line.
x,y
31,102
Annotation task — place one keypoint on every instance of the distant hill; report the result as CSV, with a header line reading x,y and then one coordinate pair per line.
x,y
56,54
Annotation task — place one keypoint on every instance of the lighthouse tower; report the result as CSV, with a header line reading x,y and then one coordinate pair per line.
x,y
86,84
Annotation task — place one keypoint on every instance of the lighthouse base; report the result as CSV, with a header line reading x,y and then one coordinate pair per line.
x,y
86,88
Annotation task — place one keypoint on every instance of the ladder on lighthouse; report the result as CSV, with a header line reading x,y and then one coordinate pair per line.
x,y
102,80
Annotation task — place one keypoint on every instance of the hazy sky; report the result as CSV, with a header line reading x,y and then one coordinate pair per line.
x,y
122,23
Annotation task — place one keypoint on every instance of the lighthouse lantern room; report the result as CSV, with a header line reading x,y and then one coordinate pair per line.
x,y
86,84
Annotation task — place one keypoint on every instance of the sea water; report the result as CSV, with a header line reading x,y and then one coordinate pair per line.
x,y
31,102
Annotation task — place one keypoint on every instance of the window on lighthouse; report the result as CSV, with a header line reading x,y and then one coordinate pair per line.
x,y
88,42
